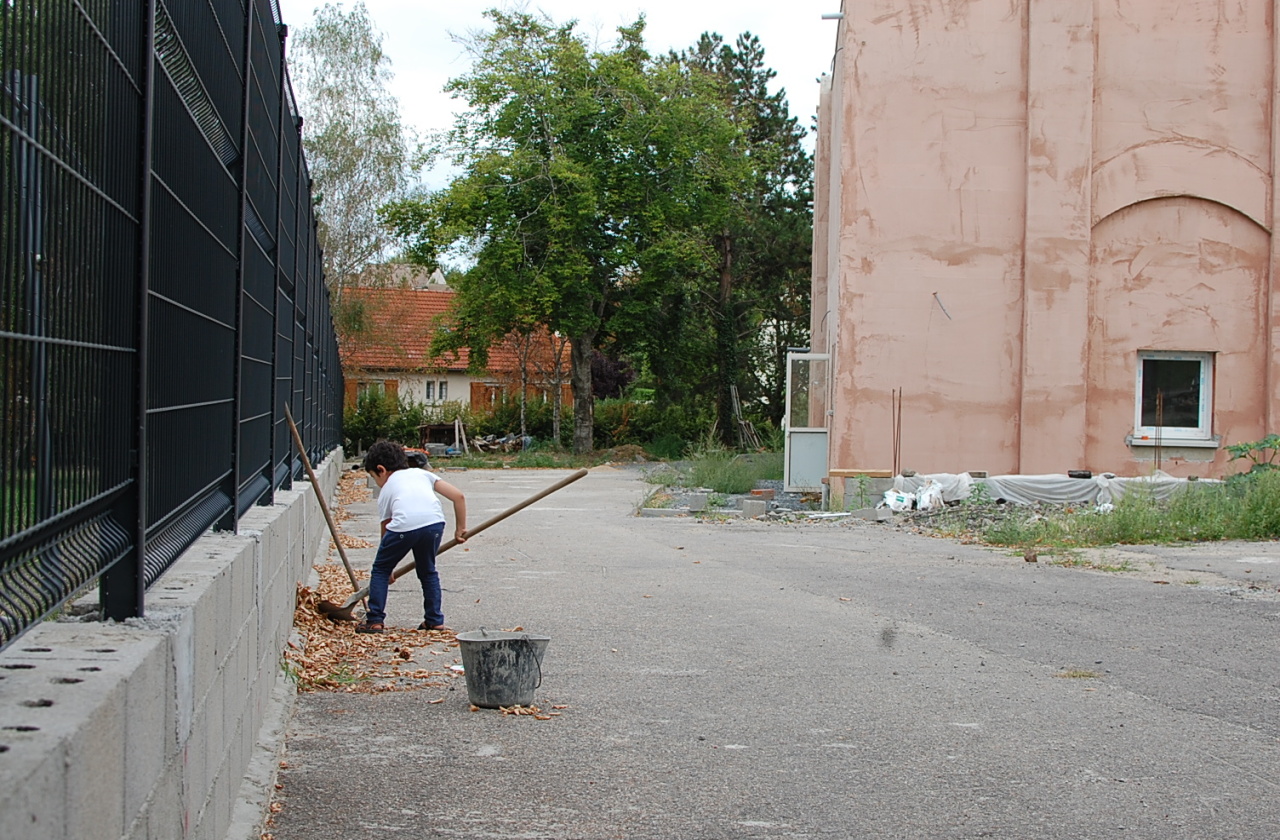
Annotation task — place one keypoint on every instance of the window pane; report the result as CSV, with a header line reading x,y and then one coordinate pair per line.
x,y
431,390
1171,393
444,390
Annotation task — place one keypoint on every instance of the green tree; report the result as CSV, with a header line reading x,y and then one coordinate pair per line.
x,y
588,179
755,300
358,153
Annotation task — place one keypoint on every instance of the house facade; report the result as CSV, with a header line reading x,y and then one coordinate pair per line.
x,y
1046,229
390,352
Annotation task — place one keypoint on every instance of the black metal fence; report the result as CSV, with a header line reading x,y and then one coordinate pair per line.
x,y
161,297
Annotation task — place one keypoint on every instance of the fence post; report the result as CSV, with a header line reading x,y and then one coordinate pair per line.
x,y
282,32
230,522
122,590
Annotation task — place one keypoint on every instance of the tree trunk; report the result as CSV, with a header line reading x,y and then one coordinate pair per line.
x,y
583,401
726,346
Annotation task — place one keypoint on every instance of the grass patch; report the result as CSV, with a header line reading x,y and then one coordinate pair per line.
x,y
1080,563
725,472
342,677
1245,507
661,501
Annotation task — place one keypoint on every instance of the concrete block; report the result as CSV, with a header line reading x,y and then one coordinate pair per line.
x,y
852,488
697,502
216,818
95,769
235,690
73,703
196,768
240,574
150,739
32,775
163,816
754,507
874,514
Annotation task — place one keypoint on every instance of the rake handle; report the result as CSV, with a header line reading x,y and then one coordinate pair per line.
x,y
471,532
324,507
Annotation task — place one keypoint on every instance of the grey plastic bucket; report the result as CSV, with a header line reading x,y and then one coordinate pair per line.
x,y
502,668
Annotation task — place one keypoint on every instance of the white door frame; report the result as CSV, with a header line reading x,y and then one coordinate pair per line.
x,y
806,444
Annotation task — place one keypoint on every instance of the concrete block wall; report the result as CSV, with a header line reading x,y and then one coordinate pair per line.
x,y
147,730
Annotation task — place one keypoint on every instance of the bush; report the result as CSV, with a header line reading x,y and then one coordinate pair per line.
x,y
622,421
381,417
504,419
666,447
369,420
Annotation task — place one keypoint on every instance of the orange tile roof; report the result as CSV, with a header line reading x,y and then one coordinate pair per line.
x,y
402,322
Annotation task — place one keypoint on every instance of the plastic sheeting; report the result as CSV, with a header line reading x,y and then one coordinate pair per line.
x,y
1104,489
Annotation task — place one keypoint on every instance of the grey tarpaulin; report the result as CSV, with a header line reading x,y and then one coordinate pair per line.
x,y
1029,489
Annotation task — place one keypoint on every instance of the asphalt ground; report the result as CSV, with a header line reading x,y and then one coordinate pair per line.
x,y
741,679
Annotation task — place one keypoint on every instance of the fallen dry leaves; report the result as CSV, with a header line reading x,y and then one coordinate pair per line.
x,y
333,657
351,542
353,487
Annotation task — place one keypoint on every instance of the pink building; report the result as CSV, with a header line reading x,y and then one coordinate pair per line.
x,y
1049,223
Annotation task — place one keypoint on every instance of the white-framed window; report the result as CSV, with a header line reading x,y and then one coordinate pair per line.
x,y
1173,397
429,390
374,387
444,390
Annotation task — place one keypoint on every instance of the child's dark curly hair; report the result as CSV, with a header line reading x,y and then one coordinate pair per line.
x,y
386,454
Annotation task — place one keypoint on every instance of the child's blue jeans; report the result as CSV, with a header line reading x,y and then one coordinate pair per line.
x,y
423,542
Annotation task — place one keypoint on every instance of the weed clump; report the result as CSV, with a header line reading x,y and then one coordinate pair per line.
x,y
1245,507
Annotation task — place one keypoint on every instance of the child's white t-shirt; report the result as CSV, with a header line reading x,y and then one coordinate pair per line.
x,y
409,500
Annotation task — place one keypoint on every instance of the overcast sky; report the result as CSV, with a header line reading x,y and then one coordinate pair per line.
x,y
798,43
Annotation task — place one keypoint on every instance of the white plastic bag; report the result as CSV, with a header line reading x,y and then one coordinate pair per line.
x,y
898,501
930,496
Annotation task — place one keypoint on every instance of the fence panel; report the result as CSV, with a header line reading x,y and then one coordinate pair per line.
x,y
160,291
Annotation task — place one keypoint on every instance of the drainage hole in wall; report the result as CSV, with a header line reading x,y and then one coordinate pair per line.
x,y
38,650
23,728
67,680
102,650
42,703
89,668
18,666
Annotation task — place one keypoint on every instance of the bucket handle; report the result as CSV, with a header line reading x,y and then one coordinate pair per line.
x,y
533,649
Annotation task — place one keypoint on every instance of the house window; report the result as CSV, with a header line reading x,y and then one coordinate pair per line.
x,y
1174,396
373,387
430,387
444,390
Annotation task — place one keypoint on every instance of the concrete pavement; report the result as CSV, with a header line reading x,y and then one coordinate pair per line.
x,y
838,679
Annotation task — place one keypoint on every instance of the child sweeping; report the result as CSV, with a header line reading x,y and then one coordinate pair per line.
x,y
412,520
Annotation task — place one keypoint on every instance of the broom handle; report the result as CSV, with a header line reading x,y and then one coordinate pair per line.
x,y
471,532
315,484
